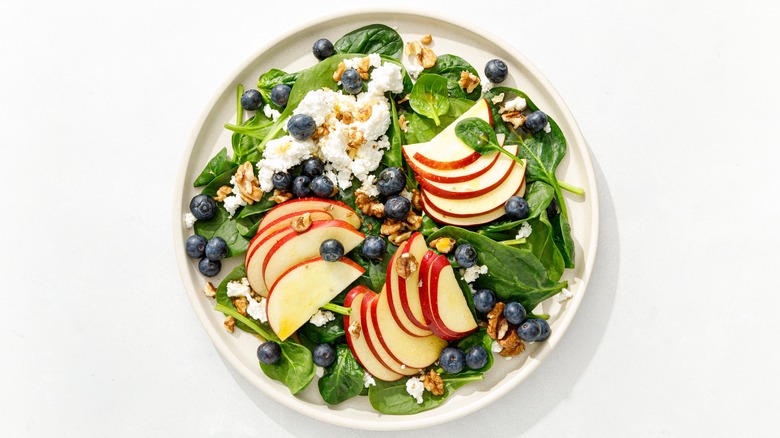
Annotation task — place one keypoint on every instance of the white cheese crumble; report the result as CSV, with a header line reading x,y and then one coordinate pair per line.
x,y
495,347
368,380
516,104
471,274
233,202
240,288
321,318
189,220
486,85
547,128
271,113
415,388
525,231
386,78
564,296
497,99
413,69
369,187
406,194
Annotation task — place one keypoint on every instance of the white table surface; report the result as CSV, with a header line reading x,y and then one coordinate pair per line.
x,y
677,335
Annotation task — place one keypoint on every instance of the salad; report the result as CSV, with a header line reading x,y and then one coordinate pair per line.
x,y
398,217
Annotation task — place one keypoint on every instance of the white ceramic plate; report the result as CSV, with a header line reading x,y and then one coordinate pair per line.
x,y
292,53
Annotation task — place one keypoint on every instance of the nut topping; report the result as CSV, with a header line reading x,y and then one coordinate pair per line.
x,y
514,117
406,265
301,223
280,196
340,69
443,244
223,193
403,123
426,39
209,290
433,383
426,57
247,184
230,324
399,237
241,304
468,81
354,329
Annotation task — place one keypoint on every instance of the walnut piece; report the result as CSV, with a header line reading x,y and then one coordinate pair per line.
x,y
493,318
412,48
363,66
347,118
247,184
280,196
355,140
399,237
223,193
209,290
512,345
416,199
426,57
514,117
406,265
413,221
340,69
468,81
403,123
301,223
230,324
443,244
364,113
241,304
502,328
433,383
368,206
390,226
354,329
426,39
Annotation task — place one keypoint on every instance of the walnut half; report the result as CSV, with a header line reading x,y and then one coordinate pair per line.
x,y
406,265
433,383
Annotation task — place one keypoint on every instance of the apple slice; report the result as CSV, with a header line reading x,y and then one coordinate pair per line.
x,y
444,304
409,350
359,343
297,247
337,209
409,289
467,221
393,285
471,171
477,186
282,222
256,255
304,288
372,338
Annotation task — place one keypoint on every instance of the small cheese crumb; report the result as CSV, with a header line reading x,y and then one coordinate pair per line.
x,y
240,288
486,85
525,231
271,113
547,128
368,380
498,98
415,388
369,187
472,273
189,220
403,367
414,70
564,296
495,347
322,317
516,104
406,194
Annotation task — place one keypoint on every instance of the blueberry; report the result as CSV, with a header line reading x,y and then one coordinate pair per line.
x,y
301,126
452,360
536,121
529,330
196,246
552,209
203,207
313,166
516,208
465,255
351,81
391,181
374,247
216,249
544,333
300,186
324,355
322,49
251,100
279,94
282,181
397,208
476,357
322,186
514,313
209,268
484,300
331,250
496,70
269,352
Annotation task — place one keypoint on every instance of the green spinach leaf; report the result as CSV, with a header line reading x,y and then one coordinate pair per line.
x,y
451,66
295,368
392,398
343,379
394,156
422,129
272,78
542,244
247,136
215,167
374,38
222,225
325,334
563,239
479,337
219,181
480,136
429,97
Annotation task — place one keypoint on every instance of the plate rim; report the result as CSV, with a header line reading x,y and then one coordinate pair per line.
x,y
401,422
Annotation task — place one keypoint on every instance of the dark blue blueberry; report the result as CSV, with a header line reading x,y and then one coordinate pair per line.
x,y
282,181
209,268
374,247
313,166
545,330
251,100
465,255
300,186
496,70
536,121
331,250
216,249
516,208
203,207
391,181
324,355
301,126
351,81
514,313
529,330
397,208
552,209
269,352
279,94
452,360
476,357
484,300
196,246
322,186
322,49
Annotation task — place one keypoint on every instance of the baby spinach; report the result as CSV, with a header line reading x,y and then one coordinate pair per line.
x,y
215,167
374,38
542,244
343,379
422,129
268,80
295,367
563,239
394,156
222,225
514,274
480,136
220,180
392,398
327,333
248,135
428,226
451,66
429,97
479,337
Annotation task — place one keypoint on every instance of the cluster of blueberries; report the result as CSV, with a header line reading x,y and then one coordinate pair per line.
x,y
496,71
209,252
311,181
529,329
269,352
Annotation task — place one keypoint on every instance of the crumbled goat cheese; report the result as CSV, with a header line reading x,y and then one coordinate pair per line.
x,y
415,388
189,220
547,128
369,187
321,318
233,202
486,85
406,194
516,104
271,113
495,347
525,231
255,309
565,295
279,155
368,380
386,78
374,60
414,70
497,99
471,274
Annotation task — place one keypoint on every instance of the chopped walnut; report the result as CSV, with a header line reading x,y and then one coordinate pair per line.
x,y
403,123
498,98
390,226
347,118
368,206
354,329
502,328
241,304
363,66
209,290
280,196
406,265
416,199
413,221
512,344
247,184
514,117
433,383
493,318
355,139
426,57
340,69
364,113
468,81
223,193
426,39
230,324
398,238
320,132
443,244
412,48
301,223
403,99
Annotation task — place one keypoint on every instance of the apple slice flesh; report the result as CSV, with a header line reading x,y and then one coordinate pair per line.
x,y
393,285
337,209
372,338
304,288
255,258
467,221
359,344
409,289
447,305
297,247
480,185
282,222
470,171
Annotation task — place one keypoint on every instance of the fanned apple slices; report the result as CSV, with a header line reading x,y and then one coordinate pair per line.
x,y
443,303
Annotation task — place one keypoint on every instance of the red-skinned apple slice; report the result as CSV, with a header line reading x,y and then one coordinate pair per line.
x,y
337,209
395,300
444,304
280,223
471,171
297,247
304,288
358,344
255,258
372,338
467,221
409,289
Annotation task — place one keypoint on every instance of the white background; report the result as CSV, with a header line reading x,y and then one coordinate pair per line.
x,y
677,336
